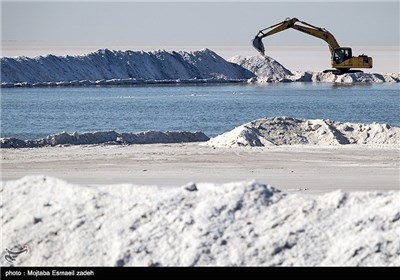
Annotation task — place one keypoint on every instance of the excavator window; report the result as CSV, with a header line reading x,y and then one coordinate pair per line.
x,y
338,56
347,54
341,54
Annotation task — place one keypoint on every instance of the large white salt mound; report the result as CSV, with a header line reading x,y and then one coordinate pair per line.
x,y
106,65
264,67
106,137
292,131
237,224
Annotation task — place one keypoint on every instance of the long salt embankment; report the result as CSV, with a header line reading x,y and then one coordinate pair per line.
x,y
106,137
107,67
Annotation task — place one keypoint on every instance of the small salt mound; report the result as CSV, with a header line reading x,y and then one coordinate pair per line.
x,y
291,131
265,68
352,78
348,78
236,224
109,137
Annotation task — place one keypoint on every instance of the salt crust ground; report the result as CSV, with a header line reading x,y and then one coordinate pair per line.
x,y
236,224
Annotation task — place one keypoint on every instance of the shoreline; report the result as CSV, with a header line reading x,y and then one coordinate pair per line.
x,y
135,82
123,83
297,77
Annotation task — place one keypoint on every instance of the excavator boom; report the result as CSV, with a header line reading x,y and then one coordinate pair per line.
x,y
341,57
257,42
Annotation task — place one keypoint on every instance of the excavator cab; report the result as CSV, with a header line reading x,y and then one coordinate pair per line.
x,y
343,60
341,54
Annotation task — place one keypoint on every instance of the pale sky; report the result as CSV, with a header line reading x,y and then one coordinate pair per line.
x,y
207,24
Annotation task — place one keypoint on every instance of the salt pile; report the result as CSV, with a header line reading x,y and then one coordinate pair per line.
x,y
292,131
119,67
236,224
265,68
268,70
106,137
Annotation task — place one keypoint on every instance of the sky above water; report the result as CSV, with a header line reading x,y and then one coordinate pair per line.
x,y
163,23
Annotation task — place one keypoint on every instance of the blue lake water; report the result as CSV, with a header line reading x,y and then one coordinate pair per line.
x,y
30,113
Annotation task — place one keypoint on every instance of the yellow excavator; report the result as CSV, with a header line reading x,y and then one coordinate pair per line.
x,y
341,57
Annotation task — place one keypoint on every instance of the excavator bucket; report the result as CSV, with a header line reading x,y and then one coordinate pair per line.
x,y
258,45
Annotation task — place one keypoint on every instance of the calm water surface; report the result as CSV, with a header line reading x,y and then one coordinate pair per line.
x,y
31,113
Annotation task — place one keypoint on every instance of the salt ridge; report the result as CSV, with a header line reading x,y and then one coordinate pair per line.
x,y
106,137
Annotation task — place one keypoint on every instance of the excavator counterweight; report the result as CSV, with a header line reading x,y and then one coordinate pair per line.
x,y
341,57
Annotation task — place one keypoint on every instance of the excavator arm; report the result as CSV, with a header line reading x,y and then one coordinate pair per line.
x,y
257,43
312,30
341,57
